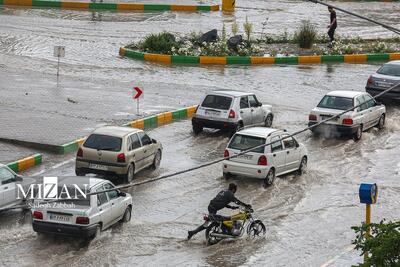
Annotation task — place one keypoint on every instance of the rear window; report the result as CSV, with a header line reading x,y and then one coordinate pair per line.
x,y
244,142
336,102
390,69
217,102
103,142
70,195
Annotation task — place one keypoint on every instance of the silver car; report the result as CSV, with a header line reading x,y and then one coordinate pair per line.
x,y
8,184
231,110
82,216
385,77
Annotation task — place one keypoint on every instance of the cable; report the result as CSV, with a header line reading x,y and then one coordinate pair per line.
x,y
390,28
243,152
234,156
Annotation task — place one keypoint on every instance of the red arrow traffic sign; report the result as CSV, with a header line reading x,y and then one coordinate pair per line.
x,y
139,92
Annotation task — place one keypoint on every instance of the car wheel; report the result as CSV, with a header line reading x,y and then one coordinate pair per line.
x,y
381,122
197,128
127,215
237,128
303,166
269,180
79,172
130,173
358,134
227,175
268,121
157,160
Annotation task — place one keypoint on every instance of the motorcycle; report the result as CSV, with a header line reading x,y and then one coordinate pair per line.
x,y
222,227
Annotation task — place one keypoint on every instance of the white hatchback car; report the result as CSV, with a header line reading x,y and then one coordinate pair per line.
x,y
281,157
352,123
82,217
231,110
8,187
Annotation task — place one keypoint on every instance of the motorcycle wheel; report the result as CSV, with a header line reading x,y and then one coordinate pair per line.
x,y
212,240
256,229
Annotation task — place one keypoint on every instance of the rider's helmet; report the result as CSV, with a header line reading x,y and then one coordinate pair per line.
x,y
232,187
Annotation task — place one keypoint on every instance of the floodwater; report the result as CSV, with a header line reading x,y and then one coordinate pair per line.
x,y
308,217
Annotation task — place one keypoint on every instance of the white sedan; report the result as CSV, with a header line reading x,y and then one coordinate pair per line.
x,y
281,157
85,216
352,123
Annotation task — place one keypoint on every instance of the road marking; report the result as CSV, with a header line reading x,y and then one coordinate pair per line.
x,y
347,249
54,167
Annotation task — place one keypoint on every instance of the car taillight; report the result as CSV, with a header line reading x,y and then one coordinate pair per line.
x,y
232,114
121,157
312,117
370,80
262,160
80,152
82,220
38,215
347,121
226,153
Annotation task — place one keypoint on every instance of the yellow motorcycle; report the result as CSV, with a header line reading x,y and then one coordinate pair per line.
x,y
222,227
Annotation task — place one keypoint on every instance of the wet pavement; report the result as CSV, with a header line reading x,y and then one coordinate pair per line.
x,y
308,218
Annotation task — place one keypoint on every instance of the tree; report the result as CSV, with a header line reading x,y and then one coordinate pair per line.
x,y
383,245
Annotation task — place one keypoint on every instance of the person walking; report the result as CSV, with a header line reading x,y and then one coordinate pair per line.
x,y
332,26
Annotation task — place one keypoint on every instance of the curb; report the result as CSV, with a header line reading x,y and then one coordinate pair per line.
x,y
153,121
25,163
239,60
109,6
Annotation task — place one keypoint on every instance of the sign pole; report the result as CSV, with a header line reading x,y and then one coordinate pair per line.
x,y
138,106
367,222
58,67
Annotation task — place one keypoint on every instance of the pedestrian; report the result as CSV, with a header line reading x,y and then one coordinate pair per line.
x,y
332,26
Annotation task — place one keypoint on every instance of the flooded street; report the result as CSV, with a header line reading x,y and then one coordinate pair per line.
x,y
308,217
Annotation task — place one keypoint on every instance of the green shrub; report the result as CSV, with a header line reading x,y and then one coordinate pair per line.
x,y
305,35
159,43
383,245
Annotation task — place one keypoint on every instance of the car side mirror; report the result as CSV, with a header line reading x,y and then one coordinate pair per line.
x,y
153,141
18,178
378,103
121,194
297,144
260,104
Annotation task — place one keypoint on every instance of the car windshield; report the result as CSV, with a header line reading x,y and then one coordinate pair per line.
x,y
217,102
390,69
103,142
5,175
336,102
244,142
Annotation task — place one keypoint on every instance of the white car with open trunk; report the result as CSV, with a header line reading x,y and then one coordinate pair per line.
x,y
278,158
352,123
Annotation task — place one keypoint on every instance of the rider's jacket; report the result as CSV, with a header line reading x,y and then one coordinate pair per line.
x,y
223,199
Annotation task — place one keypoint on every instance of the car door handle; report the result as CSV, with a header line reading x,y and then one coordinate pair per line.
x,y
100,209
112,204
252,110
5,188
274,155
145,151
287,152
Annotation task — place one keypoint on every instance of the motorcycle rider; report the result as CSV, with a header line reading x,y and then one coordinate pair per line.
x,y
221,201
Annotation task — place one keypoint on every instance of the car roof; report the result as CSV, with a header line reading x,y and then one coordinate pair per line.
x,y
259,131
233,93
80,181
393,62
117,131
348,94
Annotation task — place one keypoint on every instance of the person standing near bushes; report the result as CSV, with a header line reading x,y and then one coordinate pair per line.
x,y
332,26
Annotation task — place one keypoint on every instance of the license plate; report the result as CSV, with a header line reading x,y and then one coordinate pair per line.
x,y
324,117
97,167
246,157
60,218
212,113
383,84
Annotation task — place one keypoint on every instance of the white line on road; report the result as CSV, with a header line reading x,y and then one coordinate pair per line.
x,y
347,249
